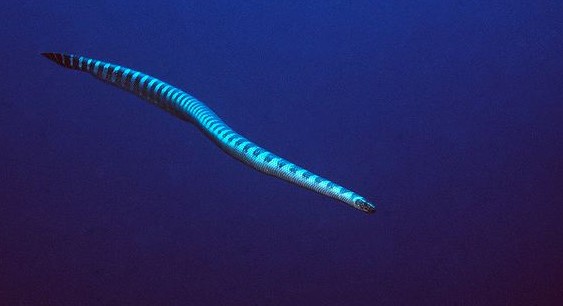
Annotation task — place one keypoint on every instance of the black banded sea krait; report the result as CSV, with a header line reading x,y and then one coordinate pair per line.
x,y
188,108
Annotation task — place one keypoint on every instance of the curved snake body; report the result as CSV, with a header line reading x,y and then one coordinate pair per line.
x,y
188,108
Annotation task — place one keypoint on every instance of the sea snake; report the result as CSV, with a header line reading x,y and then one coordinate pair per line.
x,y
188,108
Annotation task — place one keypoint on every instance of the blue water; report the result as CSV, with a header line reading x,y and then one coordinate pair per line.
x,y
447,114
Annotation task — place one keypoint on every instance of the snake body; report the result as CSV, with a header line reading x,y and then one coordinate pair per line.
x,y
188,108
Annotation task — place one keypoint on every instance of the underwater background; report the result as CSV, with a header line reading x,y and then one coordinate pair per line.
x,y
446,114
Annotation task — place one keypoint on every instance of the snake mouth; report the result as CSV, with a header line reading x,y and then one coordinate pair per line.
x,y
364,206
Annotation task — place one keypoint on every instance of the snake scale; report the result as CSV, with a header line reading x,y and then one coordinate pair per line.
x,y
188,108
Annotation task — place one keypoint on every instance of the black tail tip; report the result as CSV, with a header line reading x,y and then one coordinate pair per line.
x,y
65,60
49,55
59,58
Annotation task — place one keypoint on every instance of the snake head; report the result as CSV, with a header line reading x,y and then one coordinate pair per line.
x,y
365,206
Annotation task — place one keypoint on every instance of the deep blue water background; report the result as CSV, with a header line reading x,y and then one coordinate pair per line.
x,y
448,114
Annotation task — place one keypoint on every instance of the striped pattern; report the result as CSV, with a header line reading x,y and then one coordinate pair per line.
x,y
188,108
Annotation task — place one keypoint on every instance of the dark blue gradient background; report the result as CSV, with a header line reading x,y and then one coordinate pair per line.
x,y
448,114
